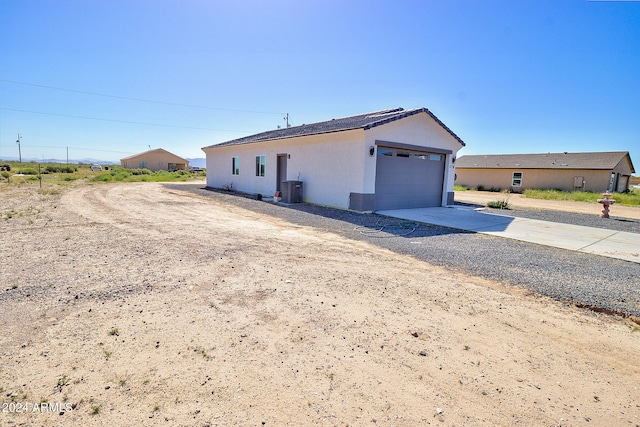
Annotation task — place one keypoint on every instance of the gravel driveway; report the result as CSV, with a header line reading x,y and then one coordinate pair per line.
x,y
600,283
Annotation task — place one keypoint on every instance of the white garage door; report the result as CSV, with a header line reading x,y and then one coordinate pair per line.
x,y
408,179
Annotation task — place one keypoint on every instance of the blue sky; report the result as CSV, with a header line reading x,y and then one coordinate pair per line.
x,y
111,78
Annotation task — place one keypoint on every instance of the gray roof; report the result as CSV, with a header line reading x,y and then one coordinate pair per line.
x,y
603,160
362,121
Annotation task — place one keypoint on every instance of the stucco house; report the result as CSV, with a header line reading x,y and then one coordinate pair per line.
x,y
595,172
388,159
155,160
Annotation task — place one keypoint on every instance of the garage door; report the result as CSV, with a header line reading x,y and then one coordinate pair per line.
x,y
408,179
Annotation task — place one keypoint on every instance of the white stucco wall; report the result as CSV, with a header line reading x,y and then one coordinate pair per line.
x,y
331,166
421,130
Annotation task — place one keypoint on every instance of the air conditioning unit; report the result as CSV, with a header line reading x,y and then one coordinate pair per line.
x,y
292,191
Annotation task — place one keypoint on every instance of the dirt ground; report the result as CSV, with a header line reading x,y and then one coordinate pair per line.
x,y
139,304
516,200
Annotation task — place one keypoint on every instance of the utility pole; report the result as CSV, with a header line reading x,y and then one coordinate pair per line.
x,y
19,149
287,120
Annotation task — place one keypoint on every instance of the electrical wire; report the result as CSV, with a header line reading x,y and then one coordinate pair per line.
x,y
76,148
139,99
118,121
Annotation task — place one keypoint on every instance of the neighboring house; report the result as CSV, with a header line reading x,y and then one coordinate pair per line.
x,y
155,160
595,172
389,159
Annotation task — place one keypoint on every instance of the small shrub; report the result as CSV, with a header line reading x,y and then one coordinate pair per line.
x,y
60,169
498,204
62,381
28,171
103,177
121,175
480,187
141,171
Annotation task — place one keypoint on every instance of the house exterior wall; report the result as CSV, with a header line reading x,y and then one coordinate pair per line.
x,y
420,130
155,161
336,169
623,171
330,166
594,180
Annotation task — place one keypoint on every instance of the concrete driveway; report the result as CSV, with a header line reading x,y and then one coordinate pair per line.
x,y
609,243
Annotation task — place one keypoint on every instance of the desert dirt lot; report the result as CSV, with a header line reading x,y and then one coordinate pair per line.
x,y
143,304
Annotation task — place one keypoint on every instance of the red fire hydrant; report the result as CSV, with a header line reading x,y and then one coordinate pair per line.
x,y
606,202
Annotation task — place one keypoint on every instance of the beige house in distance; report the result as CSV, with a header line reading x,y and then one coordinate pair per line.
x,y
155,160
594,172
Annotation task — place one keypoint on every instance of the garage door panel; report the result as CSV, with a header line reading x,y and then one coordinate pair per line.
x,y
409,182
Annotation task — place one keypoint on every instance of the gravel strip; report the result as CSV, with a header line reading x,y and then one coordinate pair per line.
x,y
602,283
612,223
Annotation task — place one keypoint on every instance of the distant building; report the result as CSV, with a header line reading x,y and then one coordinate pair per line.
x,y
595,172
155,160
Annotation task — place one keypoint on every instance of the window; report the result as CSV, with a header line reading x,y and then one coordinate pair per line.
x,y
260,165
143,164
517,179
235,166
385,152
420,156
436,157
403,154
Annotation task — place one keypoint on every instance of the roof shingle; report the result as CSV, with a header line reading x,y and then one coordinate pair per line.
x,y
361,121
601,160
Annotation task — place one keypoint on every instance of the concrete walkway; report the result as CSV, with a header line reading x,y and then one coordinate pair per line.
x,y
609,243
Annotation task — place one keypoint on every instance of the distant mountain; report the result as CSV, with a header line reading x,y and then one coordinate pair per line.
x,y
198,162
88,161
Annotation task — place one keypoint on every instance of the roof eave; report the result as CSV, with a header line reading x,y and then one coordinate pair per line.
x,y
225,144
411,113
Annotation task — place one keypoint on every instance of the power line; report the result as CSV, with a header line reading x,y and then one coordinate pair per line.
x,y
139,99
77,148
118,121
